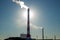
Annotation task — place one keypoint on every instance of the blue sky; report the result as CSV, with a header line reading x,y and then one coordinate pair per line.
x,y
47,15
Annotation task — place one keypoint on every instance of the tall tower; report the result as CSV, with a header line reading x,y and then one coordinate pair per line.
x,y
42,33
54,37
28,25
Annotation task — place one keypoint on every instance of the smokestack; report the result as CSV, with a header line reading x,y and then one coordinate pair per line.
x,y
28,25
42,33
54,37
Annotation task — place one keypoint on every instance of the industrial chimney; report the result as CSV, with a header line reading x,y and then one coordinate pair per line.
x,y
54,37
42,33
28,25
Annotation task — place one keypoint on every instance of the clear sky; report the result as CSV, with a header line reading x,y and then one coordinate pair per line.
x,y
46,14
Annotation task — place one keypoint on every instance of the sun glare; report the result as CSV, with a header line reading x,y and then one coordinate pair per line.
x,y
25,14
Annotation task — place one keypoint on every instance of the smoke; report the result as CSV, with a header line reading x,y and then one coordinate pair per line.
x,y
21,23
21,3
35,26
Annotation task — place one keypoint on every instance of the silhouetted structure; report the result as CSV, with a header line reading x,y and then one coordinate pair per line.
x,y
17,38
28,25
42,33
54,37
23,35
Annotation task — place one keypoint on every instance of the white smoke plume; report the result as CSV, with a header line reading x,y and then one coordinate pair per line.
x,y
35,26
21,3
